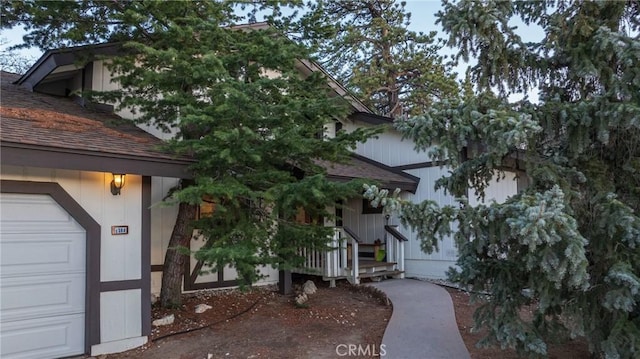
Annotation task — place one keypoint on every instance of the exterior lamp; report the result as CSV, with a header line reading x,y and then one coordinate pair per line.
x,y
117,183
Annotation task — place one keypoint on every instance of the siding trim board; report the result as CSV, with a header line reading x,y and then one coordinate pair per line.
x,y
117,285
145,261
92,228
420,165
42,156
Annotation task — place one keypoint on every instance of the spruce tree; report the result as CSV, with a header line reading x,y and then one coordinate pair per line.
x,y
367,45
569,245
241,109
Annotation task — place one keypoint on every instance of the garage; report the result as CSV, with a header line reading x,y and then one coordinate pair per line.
x,y
42,278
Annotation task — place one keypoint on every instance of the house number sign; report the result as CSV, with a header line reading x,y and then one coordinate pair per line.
x,y
119,230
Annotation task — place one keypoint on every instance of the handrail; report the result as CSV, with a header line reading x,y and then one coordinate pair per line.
x,y
396,248
352,234
394,232
354,255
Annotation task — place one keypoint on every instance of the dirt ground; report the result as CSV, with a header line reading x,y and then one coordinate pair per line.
x,y
577,349
261,323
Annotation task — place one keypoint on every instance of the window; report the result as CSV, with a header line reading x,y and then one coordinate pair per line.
x,y
367,208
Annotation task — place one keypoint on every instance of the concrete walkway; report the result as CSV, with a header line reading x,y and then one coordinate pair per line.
x,y
423,323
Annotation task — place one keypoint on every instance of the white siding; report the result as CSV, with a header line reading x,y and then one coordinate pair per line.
x,y
500,188
120,254
368,227
103,81
163,218
389,148
120,314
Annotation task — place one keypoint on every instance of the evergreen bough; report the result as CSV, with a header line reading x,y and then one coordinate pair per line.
x,y
568,246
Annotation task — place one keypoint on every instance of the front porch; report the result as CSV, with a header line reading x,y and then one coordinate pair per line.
x,y
348,257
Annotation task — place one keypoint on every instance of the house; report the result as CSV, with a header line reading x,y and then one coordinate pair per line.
x,y
75,252
82,244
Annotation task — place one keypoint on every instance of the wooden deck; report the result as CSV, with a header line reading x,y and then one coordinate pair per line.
x,y
370,263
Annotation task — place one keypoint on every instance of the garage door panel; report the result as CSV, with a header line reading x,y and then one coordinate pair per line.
x,y
14,206
31,297
29,253
50,337
42,279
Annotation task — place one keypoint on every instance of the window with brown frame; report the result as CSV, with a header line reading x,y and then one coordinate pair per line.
x,y
367,208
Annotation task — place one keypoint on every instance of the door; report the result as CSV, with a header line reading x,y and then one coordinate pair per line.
x,y
42,278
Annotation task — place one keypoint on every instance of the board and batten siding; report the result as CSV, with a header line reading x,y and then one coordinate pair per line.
x,y
163,216
120,310
392,150
388,148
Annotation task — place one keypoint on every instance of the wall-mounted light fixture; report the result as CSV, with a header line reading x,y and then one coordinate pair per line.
x,y
117,183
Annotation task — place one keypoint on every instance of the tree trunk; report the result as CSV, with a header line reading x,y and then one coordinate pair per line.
x,y
173,270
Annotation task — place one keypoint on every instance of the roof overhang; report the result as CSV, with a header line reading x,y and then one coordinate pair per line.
x,y
361,167
371,118
18,154
61,59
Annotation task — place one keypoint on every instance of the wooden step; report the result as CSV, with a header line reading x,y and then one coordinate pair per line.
x,y
380,274
373,264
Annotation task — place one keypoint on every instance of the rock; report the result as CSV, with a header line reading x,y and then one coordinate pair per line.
x,y
154,298
301,299
309,287
164,321
201,308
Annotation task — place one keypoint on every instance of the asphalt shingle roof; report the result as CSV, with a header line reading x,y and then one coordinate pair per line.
x,y
31,118
360,167
36,119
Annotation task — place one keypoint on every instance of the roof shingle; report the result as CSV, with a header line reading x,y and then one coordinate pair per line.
x,y
31,118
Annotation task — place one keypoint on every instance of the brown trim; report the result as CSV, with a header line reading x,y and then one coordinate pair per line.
x,y
405,186
190,284
190,278
352,234
212,285
371,118
367,208
117,285
385,167
42,156
87,77
52,59
394,232
145,262
410,185
196,272
415,166
92,228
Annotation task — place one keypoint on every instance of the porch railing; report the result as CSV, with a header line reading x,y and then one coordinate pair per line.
x,y
395,247
340,260
352,271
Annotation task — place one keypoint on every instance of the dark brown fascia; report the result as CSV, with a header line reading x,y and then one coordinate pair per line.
x,y
51,157
405,186
371,118
388,168
53,59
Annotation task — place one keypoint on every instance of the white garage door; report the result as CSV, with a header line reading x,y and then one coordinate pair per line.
x,y
42,278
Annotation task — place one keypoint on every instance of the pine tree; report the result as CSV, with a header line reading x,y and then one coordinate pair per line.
x,y
191,66
368,46
568,245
